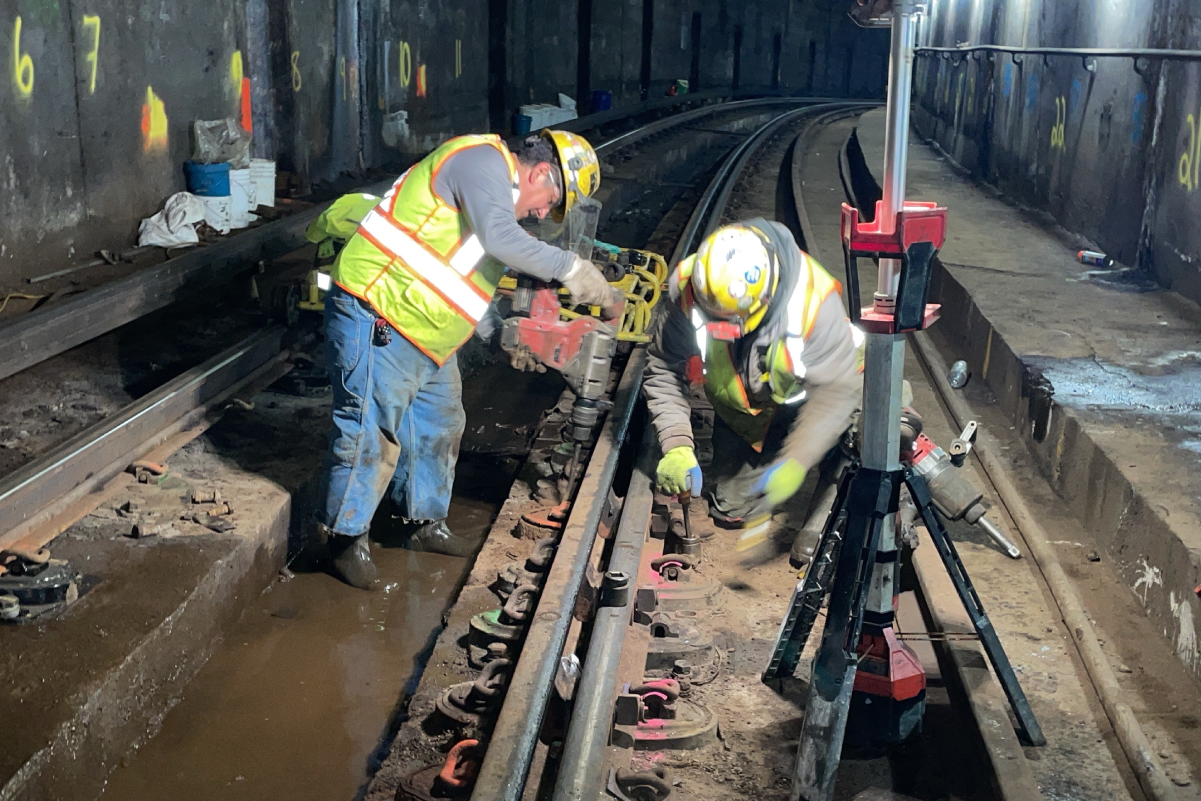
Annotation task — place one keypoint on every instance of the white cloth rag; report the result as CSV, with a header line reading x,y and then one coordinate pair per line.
x,y
175,225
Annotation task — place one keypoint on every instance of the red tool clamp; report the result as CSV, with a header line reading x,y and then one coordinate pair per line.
x,y
920,231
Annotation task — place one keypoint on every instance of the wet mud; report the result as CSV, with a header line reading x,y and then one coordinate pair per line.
x,y
303,696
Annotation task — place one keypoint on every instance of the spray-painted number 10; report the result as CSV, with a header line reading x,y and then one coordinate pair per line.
x,y
1058,133
1190,161
405,57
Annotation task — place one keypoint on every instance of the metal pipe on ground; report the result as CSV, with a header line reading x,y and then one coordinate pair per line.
x,y
47,332
503,773
580,775
1141,755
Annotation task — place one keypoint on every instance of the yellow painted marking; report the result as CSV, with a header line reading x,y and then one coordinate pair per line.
x,y
92,57
22,65
987,354
235,72
405,56
342,74
1058,138
1189,172
296,82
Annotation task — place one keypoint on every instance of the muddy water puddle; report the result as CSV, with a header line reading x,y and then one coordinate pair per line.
x,y
300,699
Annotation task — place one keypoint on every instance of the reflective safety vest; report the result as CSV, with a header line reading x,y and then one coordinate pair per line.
x,y
416,261
783,363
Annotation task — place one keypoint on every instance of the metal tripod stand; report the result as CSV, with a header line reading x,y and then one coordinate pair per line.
x,y
856,558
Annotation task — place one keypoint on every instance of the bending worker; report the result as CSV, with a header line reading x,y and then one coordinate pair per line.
x,y
762,326
409,288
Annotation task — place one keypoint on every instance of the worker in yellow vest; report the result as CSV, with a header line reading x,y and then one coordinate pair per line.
x,y
409,288
761,325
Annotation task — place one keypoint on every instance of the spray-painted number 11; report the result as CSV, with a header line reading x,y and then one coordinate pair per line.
x,y
1058,133
1190,161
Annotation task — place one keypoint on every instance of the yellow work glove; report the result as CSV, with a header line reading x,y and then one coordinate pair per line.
x,y
781,481
678,472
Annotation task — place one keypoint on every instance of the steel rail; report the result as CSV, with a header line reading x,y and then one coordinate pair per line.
x,y
581,775
628,138
30,496
503,774
707,213
47,332
506,764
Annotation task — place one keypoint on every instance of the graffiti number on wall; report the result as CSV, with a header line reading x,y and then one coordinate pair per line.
x,y
295,71
342,74
22,64
92,57
1190,161
405,56
458,57
1058,133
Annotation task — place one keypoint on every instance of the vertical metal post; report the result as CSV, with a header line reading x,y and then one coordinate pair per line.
x,y
884,363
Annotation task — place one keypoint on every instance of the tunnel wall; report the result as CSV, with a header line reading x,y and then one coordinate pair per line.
x,y
1109,147
101,94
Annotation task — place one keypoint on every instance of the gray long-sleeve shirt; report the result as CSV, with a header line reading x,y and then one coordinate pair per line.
x,y
477,181
832,381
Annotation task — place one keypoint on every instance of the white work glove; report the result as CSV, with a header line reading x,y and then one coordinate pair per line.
x,y
588,286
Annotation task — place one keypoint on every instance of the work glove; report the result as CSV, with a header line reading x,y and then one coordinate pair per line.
x,y
678,472
588,287
780,481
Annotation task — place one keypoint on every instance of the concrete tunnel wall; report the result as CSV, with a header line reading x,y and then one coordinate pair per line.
x,y
1110,148
101,94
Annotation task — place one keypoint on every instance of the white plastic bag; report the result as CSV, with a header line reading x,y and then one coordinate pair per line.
x,y
175,225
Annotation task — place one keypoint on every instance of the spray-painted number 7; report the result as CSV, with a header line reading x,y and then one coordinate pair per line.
x,y
92,57
1058,138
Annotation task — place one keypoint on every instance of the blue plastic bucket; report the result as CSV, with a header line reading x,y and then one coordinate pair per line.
x,y
207,180
602,100
521,124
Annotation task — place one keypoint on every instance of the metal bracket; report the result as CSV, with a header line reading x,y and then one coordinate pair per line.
x,y
961,446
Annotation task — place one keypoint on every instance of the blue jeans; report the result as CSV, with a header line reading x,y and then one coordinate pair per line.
x,y
398,420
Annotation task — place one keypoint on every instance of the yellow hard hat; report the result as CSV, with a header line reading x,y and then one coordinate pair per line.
x,y
733,277
581,169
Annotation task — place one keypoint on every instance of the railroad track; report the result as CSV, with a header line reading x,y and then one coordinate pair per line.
x,y
515,757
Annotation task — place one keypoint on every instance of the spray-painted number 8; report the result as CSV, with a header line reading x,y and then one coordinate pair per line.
x,y
22,64
295,71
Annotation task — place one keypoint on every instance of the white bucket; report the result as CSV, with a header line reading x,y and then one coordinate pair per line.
x,y
262,172
241,189
216,212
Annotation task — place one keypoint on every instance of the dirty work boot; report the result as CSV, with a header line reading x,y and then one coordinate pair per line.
x,y
436,537
350,560
803,547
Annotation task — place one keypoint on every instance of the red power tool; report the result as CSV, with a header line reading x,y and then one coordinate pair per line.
x,y
581,350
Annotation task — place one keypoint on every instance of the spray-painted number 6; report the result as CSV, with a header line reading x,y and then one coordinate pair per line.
x,y
22,64
295,71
